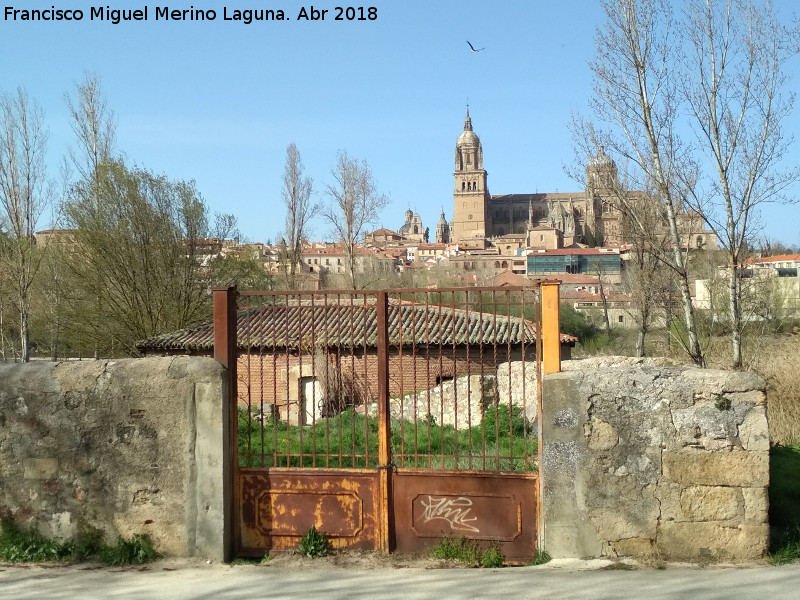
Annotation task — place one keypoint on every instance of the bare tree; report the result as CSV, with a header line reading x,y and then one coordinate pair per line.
x,y
94,126
23,195
636,94
644,275
226,227
355,202
296,195
738,52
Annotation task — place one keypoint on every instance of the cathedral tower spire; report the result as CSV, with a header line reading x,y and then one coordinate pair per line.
x,y
471,217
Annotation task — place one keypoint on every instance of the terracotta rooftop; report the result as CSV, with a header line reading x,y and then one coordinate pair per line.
x,y
284,326
771,259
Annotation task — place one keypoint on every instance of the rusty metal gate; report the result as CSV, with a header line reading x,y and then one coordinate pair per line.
x,y
386,419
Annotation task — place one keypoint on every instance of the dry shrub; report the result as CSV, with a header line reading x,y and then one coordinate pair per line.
x,y
778,364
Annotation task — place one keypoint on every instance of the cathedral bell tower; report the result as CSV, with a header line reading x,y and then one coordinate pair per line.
x,y
471,217
602,219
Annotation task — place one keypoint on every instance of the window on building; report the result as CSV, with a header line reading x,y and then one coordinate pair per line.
x,y
469,187
327,261
463,186
621,319
474,185
497,264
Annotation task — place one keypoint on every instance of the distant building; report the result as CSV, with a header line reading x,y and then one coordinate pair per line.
x,y
587,261
547,220
412,229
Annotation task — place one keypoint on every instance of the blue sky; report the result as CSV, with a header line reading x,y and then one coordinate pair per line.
x,y
218,102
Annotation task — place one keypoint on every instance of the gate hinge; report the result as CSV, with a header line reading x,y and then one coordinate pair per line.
x,y
389,466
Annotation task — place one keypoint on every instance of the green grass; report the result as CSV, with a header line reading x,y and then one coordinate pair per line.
x,y
134,551
784,503
468,551
28,545
18,544
314,544
503,442
541,558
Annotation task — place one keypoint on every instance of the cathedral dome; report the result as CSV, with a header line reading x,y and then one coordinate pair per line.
x,y
601,159
468,137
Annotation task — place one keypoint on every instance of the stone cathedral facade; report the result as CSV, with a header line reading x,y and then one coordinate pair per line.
x,y
481,220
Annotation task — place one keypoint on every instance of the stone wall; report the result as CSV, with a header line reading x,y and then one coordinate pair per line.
x,y
129,446
641,459
462,401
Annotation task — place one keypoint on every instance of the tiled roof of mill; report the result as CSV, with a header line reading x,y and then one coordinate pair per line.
x,y
337,325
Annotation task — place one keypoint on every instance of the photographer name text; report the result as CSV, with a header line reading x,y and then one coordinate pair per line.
x,y
245,16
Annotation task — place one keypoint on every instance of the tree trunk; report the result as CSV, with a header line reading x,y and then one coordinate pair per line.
x,y
736,317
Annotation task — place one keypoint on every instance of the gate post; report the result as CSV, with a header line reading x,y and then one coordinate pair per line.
x,y
384,449
551,334
225,353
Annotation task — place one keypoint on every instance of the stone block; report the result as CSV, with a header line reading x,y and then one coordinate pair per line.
x,y
755,397
615,524
692,541
668,494
709,383
707,503
40,468
604,436
756,505
705,425
638,546
754,431
698,467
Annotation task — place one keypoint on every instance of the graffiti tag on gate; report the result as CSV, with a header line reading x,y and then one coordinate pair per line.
x,y
455,511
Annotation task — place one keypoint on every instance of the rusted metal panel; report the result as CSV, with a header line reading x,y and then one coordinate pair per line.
x,y
279,506
483,506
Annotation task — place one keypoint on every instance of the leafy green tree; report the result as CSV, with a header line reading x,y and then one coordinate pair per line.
x,y
137,257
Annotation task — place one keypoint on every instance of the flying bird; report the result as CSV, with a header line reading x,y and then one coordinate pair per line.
x,y
473,48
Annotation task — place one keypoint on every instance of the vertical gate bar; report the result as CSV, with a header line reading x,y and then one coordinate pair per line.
x,y
326,390
365,385
455,375
313,381
551,343
301,348
540,542
441,330
426,296
286,337
384,458
523,356
483,365
225,354
494,370
275,405
401,374
469,376
509,318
